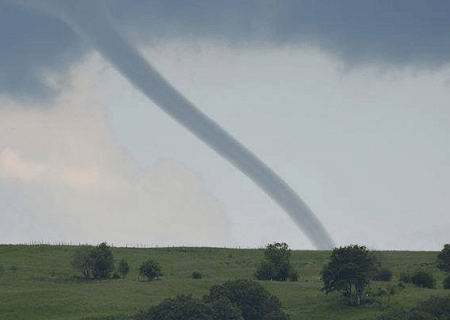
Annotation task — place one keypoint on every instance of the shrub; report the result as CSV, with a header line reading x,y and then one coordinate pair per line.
x,y
150,269
423,279
446,283
232,300
179,308
97,262
265,271
276,265
293,275
224,309
123,268
250,298
383,275
196,275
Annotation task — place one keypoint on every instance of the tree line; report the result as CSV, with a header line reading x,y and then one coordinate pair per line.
x,y
98,263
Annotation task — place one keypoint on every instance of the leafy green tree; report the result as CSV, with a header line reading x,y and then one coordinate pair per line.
x,y
123,268
150,269
96,262
349,272
103,261
276,264
254,302
82,260
443,258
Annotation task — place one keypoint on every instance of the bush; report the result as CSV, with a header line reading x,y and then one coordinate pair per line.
x,y
293,275
179,308
150,269
446,283
196,275
97,262
265,271
276,265
250,298
233,300
423,279
383,275
123,268
224,309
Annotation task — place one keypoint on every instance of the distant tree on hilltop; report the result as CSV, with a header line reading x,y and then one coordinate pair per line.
x,y
123,268
443,257
276,264
349,272
96,262
150,269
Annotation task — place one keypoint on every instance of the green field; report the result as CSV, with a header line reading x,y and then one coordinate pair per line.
x,y
37,282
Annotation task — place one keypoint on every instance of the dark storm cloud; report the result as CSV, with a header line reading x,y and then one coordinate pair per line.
x,y
401,32
29,44
385,33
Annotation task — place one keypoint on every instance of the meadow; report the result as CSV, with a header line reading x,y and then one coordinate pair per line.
x,y
38,282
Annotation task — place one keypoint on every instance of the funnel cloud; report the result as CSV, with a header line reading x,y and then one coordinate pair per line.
x,y
91,22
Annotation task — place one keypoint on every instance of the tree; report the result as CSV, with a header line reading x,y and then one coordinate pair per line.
x,y
103,261
123,268
349,272
96,262
254,302
150,269
444,259
81,260
276,265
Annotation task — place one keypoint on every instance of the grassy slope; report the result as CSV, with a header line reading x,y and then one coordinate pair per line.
x,y
41,288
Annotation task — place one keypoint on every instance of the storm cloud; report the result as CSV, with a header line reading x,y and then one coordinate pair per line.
x,y
386,34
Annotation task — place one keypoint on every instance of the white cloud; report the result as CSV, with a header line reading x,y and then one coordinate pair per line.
x,y
12,166
76,184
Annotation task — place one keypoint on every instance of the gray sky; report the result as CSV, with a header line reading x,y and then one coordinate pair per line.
x,y
347,101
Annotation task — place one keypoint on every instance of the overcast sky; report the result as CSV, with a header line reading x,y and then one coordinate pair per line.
x,y
346,100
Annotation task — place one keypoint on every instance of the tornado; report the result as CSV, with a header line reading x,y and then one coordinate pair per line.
x,y
90,20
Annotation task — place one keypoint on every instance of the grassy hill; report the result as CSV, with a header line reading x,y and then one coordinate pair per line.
x,y
37,282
